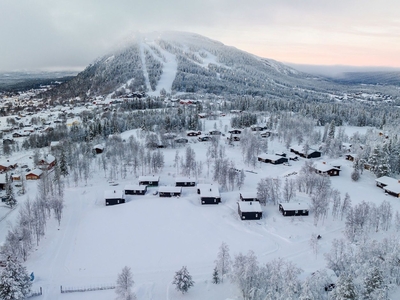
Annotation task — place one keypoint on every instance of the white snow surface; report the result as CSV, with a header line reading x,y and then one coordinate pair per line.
x,y
157,236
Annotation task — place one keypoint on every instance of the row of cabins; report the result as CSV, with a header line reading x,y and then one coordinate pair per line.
x,y
390,185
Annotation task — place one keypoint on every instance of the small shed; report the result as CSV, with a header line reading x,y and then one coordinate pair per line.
x,y
97,149
135,189
149,180
209,194
35,174
250,210
113,197
184,181
293,209
248,196
272,158
170,191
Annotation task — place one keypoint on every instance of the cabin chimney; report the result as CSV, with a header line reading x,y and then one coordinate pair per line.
x,y
324,162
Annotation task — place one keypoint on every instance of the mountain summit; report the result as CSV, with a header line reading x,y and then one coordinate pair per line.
x,y
173,62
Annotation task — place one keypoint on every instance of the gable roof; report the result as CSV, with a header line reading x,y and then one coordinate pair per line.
x,y
251,206
294,206
114,194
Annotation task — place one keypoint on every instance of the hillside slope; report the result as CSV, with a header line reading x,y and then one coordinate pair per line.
x,y
185,62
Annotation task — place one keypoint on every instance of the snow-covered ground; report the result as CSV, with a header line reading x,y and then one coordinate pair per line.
x,y
157,236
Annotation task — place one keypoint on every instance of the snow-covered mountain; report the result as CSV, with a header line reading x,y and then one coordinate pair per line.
x,y
186,62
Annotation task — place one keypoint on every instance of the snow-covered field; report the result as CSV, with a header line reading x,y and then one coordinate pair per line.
x,y
157,236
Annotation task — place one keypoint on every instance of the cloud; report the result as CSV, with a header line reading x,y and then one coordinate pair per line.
x,y
39,34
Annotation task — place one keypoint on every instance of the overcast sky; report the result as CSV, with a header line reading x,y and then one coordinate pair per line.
x,y
70,34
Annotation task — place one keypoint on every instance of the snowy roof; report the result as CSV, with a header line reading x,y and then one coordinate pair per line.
x,y
133,187
7,163
54,143
184,179
251,206
98,146
114,194
324,167
209,190
169,189
386,180
36,172
249,195
271,157
394,188
149,178
294,206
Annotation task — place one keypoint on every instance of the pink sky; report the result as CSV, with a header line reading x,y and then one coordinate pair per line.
x,y
46,34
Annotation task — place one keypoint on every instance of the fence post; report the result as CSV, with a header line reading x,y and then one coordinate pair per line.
x,y
41,291
61,289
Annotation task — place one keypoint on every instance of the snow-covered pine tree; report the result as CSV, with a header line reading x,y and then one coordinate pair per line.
x,y
373,283
11,201
216,279
63,164
183,280
15,283
223,261
124,285
345,289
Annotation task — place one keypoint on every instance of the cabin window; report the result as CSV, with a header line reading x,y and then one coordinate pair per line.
x,y
256,215
215,200
304,211
243,217
203,202
117,201
296,212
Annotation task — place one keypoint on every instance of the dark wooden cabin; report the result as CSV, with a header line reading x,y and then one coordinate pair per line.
x,y
249,210
135,189
293,209
113,197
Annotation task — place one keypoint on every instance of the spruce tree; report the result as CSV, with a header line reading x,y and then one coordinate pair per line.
x,y
63,164
216,279
15,283
11,201
183,280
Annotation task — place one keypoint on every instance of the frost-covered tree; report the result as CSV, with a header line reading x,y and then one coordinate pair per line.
x,y
124,285
223,261
245,273
11,200
345,289
183,280
289,191
15,283
374,285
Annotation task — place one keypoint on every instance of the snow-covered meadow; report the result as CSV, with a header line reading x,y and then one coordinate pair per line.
x,y
157,236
